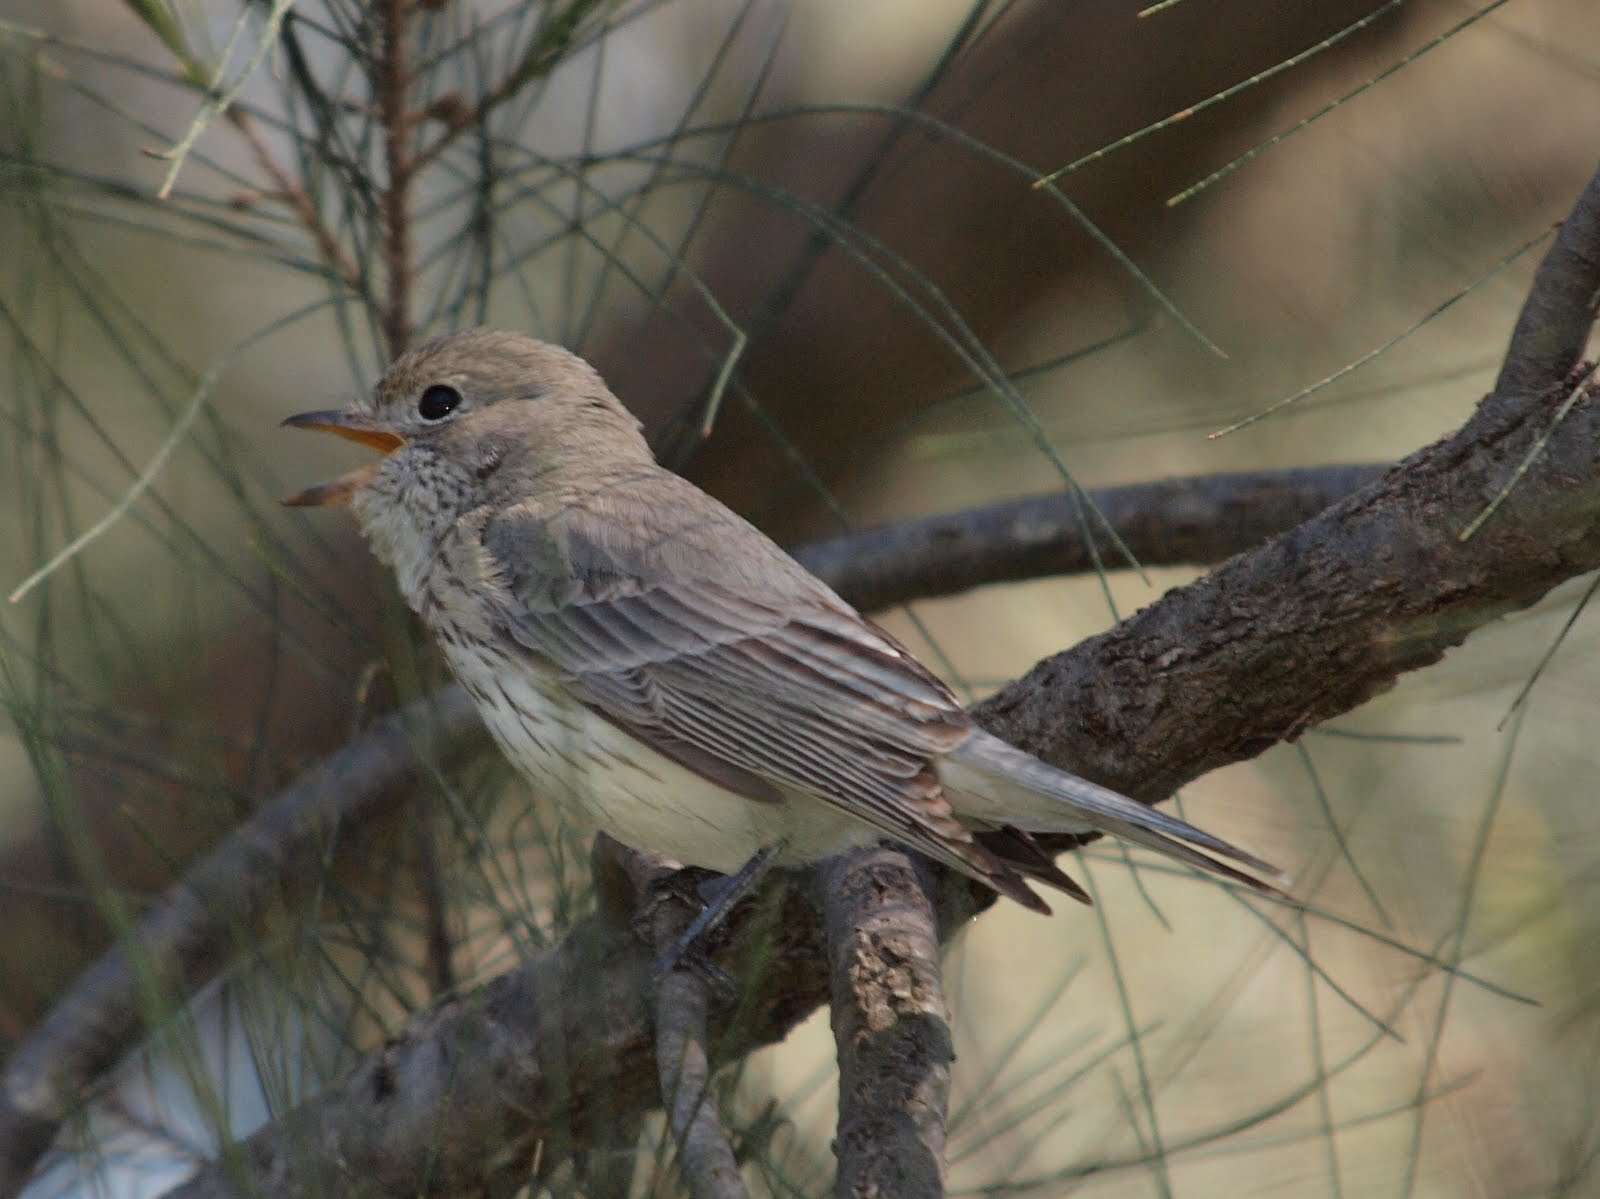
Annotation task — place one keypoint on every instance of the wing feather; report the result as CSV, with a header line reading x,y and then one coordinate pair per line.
x,y
659,633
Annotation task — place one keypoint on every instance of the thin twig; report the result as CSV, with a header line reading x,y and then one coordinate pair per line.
x,y
392,86
192,72
218,102
1376,352
1227,93
287,189
1306,122
549,48
158,461
1549,655
705,1154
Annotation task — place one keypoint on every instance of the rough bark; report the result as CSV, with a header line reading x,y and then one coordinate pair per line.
x,y
891,1026
567,1039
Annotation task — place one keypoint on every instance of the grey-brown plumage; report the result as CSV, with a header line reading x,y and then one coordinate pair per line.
x,y
657,663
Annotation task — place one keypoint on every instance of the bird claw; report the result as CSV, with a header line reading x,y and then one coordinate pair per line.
x,y
697,890
686,954
718,895
714,888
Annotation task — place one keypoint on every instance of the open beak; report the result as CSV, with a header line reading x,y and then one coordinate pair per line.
x,y
351,426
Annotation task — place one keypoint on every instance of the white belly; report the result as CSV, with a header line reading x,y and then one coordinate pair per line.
x,y
605,778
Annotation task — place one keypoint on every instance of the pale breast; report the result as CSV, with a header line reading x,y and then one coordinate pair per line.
x,y
603,777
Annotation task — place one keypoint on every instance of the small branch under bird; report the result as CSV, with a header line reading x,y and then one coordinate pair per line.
x,y
664,670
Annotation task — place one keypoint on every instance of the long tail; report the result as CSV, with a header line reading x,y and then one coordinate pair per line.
x,y
998,784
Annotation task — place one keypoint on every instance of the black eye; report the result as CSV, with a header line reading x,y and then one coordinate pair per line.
x,y
438,402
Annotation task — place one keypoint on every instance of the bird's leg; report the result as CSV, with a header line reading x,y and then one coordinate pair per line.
x,y
720,894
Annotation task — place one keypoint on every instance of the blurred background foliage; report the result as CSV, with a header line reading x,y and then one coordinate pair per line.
x,y
844,190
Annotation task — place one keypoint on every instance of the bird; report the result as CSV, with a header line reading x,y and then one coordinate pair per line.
x,y
665,671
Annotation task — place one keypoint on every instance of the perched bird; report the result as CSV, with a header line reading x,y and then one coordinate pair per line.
x,y
658,665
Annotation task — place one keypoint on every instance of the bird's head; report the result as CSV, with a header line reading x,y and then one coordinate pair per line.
x,y
465,405
467,419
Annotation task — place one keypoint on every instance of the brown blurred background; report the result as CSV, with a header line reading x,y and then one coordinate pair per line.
x,y
197,657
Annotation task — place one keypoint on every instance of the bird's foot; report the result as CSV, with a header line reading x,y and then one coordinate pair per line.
x,y
692,956
685,889
719,894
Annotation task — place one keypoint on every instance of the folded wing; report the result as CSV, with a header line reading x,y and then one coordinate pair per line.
x,y
654,628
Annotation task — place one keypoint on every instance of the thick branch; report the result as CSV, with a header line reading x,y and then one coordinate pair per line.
x,y
1325,616
1301,629
1174,522
1332,612
547,1053
1554,325
890,1025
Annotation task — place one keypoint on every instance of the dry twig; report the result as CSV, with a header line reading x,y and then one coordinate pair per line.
x,y
682,1001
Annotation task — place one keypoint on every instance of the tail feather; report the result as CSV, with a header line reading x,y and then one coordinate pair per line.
x,y
985,860
1176,849
1022,854
992,781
